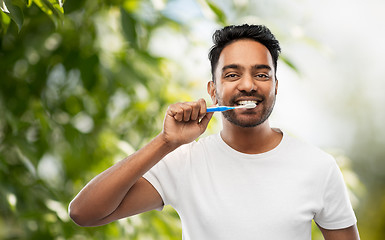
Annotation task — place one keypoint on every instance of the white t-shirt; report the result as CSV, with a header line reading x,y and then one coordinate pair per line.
x,y
220,193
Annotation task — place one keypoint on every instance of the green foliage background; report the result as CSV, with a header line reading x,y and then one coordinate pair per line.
x,y
79,90
71,107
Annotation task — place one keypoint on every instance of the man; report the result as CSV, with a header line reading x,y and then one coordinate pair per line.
x,y
248,182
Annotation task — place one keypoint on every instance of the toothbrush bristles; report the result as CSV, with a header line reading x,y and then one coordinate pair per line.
x,y
250,105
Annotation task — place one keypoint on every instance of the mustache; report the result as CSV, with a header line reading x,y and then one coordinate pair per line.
x,y
233,100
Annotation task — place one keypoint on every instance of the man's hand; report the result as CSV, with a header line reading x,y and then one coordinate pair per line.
x,y
184,122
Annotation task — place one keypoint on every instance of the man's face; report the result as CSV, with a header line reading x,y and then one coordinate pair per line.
x,y
245,73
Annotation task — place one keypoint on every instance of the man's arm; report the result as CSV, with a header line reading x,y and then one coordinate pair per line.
x,y
121,191
108,196
350,233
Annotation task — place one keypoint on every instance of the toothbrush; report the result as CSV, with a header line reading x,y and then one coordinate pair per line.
x,y
225,108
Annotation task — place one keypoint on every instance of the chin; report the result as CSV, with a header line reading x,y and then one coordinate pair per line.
x,y
249,123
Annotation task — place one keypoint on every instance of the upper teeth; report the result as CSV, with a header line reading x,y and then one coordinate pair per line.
x,y
247,102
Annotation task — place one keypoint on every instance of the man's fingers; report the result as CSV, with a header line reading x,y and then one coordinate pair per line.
x,y
195,110
187,111
175,112
203,108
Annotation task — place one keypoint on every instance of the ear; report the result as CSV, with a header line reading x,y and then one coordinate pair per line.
x,y
211,91
276,86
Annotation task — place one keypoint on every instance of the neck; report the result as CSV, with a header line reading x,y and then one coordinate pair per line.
x,y
258,139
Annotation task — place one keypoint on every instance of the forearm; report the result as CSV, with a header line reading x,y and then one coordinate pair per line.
x,y
103,194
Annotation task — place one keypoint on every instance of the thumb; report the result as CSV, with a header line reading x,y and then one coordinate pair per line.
x,y
205,121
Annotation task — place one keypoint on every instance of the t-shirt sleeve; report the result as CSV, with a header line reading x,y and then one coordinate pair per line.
x,y
337,211
165,176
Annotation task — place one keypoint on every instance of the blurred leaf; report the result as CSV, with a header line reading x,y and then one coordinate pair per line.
x,y
53,9
15,13
3,7
131,6
5,21
289,63
221,16
129,27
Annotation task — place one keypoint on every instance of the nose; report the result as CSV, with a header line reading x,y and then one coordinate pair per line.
x,y
247,84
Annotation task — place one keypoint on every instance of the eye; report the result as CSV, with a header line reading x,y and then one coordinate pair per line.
x,y
262,76
231,75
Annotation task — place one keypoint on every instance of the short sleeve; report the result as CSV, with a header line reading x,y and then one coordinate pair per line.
x,y
165,176
336,211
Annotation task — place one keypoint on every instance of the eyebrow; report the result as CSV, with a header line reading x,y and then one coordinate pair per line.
x,y
261,66
256,67
232,66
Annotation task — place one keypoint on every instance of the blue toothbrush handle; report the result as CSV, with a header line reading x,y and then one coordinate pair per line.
x,y
218,109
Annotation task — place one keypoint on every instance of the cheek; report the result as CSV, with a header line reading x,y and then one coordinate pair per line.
x,y
221,94
273,94
273,91
270,89
227,87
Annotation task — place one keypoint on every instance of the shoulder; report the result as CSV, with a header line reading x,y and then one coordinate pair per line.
x,y
307,152
204,142
185,151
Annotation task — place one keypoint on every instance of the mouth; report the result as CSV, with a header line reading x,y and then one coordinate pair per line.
x,y
244,102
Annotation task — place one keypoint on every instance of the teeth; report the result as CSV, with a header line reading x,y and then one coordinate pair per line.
x,y
247,102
